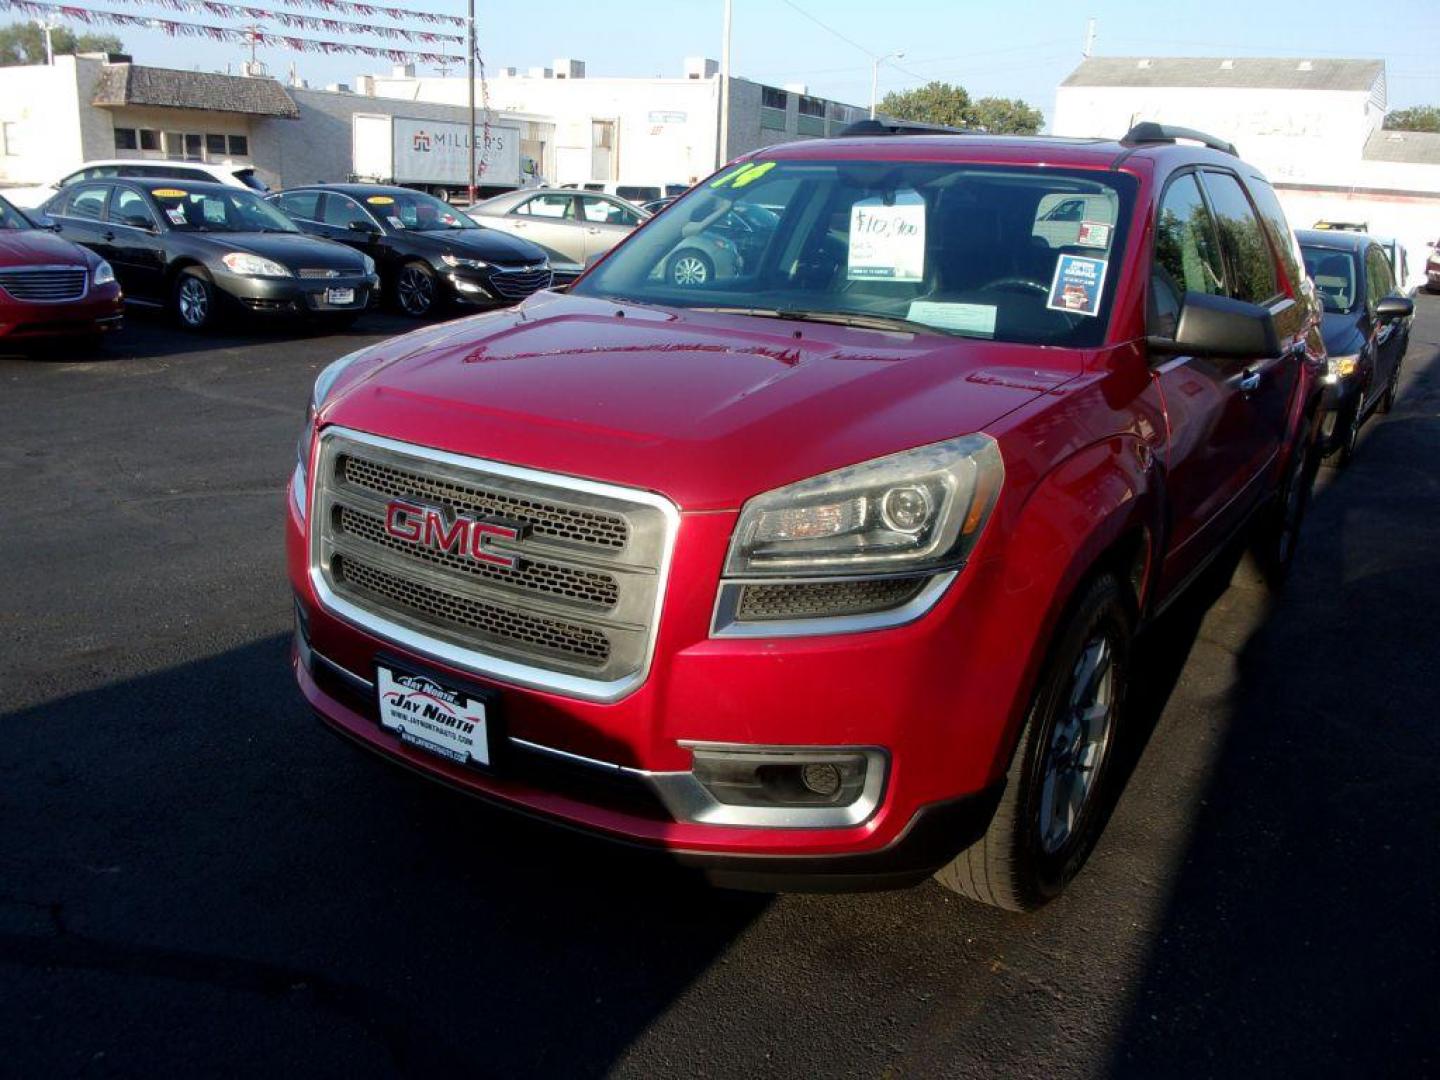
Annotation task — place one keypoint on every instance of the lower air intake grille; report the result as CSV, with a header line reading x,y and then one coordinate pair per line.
x,y
817,599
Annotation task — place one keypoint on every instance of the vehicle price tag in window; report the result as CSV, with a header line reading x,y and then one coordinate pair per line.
x,y
887,240
1077,284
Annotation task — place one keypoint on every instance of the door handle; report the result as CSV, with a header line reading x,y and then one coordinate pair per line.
x,y
592,229
1249,382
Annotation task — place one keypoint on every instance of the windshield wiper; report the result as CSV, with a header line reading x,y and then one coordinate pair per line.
x,y
864,321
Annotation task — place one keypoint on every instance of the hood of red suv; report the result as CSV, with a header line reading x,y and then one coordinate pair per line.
x,y
708,409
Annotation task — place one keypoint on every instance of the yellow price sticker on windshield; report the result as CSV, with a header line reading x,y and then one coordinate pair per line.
x,y
745,174
380,200
169,193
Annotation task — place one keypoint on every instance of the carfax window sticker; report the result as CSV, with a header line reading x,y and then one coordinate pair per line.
x,y
887,238
1094,234
1077,285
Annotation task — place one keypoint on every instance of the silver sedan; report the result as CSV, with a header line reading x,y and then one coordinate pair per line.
x,y
573,226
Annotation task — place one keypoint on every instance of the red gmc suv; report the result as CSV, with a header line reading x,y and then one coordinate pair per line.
x,y
821,568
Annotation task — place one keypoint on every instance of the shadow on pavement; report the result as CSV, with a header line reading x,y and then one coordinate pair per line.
x,y
1303,924
198,838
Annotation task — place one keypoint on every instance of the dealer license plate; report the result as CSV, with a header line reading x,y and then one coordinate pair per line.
x,y
432,716
339,296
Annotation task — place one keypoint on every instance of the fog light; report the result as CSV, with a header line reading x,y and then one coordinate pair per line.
x,y
821,778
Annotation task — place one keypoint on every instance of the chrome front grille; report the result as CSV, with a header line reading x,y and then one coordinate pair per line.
x,y
45,285
318,273
576,612
518,284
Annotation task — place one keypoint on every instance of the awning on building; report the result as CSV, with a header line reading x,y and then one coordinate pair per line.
x,y
132,84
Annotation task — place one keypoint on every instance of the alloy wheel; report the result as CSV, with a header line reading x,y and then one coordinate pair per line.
x,y
689,270
1079,740
194,301
416,291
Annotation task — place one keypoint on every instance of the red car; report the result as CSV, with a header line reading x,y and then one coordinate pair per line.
x,y
50,287
825,573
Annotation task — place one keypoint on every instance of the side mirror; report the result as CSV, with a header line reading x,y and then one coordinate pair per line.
x,y
138,221
366,227
45,221
1394,307
1221,327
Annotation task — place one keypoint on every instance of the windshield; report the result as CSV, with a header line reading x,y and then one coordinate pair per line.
x,y
417,212
1333,272
214,211
975,251
11,218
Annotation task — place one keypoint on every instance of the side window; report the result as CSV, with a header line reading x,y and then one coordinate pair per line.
x,y
340,211
1281,236
1242,239
300,204
607,212
549,206
129,208
1187,254
86,202
1378,282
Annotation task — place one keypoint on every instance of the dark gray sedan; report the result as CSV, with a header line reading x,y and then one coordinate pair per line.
x,y
204,250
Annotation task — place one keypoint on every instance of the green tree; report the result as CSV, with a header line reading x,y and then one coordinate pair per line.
x,y
1006,116
24,43
933,103
1420,118
948,104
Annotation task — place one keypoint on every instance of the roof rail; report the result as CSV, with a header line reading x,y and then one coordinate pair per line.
x,y
1147,131
863,128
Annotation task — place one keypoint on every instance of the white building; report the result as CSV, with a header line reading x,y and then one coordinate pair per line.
x,y
638,130
1314,127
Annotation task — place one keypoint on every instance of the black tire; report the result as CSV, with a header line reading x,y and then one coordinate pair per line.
x,y
690,270
194,301
1278,537
417,290
1344,451
1024,860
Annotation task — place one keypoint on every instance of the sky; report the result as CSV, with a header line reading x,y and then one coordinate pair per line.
x,y
1005,48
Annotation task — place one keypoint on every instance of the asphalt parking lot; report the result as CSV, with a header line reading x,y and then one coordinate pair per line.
x,y
196,879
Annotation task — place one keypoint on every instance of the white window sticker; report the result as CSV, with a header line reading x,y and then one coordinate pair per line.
x,y
175,214
395,222
1077,285
1094,234
962,318
887,241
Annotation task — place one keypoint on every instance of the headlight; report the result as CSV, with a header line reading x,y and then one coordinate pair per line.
x,y
242,262
104,273
469,264
922,509
369,265
1341,367
324,383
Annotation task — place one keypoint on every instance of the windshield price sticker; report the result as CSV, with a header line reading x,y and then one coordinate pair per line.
x,y
973,319
1093,234
887,240
1077,284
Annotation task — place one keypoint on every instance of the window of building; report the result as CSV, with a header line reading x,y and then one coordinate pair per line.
x,y
1243,240
215,145
771,98
812,106
9,139
125,139
239,146
149,139
192,148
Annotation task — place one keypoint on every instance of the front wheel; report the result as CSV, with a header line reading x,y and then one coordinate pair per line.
x,y
1350,440
194,300
1056,792
690,270
417,290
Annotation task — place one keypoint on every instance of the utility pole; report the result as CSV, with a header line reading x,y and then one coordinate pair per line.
x,y
1089,38
875,76
470,35
46,26
722,152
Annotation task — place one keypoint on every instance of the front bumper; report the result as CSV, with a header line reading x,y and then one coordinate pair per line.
x,y
297,296
938,699
493,287
1338,403
102,310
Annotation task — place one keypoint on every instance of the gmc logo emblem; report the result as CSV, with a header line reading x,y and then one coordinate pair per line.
x,y
430,527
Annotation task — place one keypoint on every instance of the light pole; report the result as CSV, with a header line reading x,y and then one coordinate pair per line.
x,y
470,39
875,75
722,144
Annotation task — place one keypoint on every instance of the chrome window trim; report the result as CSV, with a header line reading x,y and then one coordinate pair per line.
x,y
725,622
471,660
